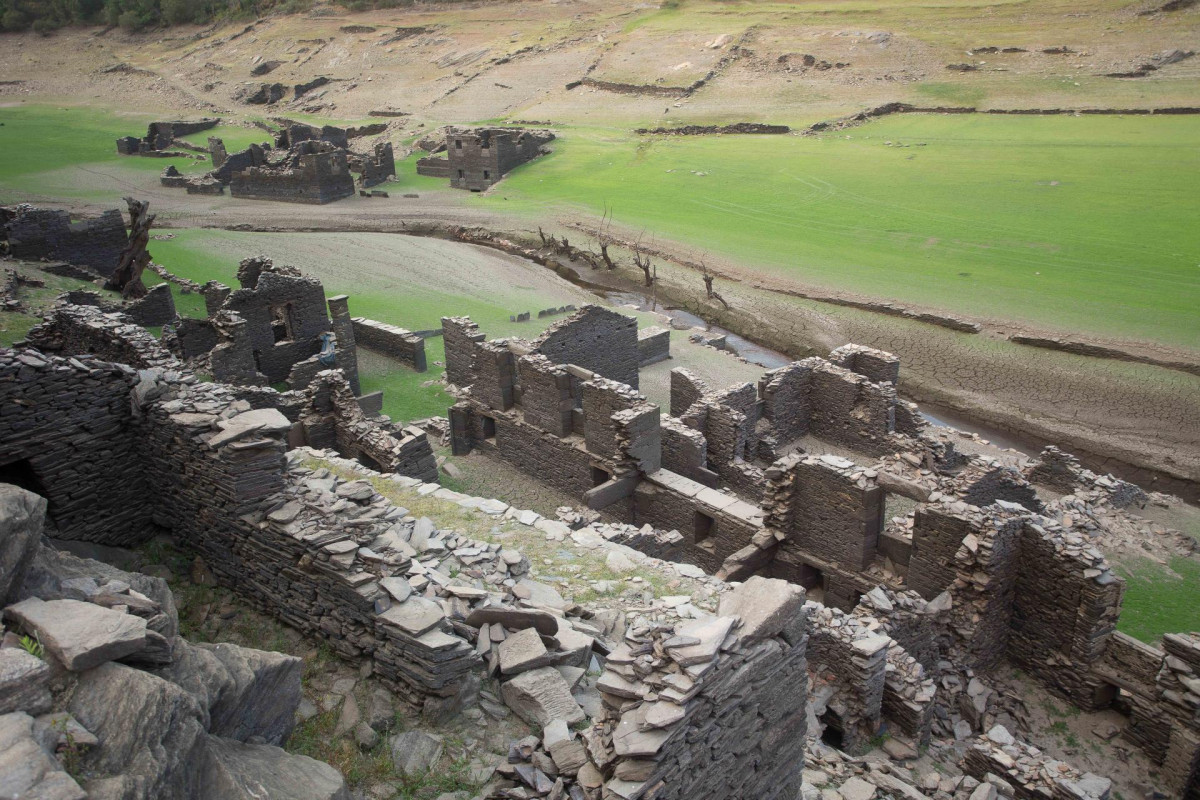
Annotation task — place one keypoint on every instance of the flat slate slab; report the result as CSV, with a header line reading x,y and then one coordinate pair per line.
x,y
80,635
541,696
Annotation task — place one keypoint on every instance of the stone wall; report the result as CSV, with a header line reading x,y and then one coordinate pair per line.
x,y
67,434
460,336
433,167
313,173
335,408
392,341
722,718
595,339
87,330
686,390
852,662
833,511
1065,606
35,233
714,525
285,315
376,168
226,165
850,410
938,532
876,365
546,394
654,345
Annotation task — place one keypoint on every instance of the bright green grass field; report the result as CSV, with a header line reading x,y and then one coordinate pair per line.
x,y
1074,223
1158,601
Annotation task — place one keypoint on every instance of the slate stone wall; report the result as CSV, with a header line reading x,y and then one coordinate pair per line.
x,y
316,175
654,345
302,299
460,336
545,394
686,390
834,515
35,233
876,365
392,341
937,534
850,410
596,339
66,434
478,158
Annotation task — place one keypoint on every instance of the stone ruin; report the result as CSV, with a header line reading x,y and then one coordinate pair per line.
x,y
477,158
305,165
742,482
829,624
161,136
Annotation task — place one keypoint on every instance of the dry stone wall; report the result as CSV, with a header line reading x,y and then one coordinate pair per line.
x,y
713,709
595,339
35,233
397,343
67,434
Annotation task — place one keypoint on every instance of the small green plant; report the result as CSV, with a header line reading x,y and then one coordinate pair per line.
x,y
72,753
33,645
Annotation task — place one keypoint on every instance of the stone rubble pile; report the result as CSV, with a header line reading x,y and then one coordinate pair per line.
x,y
1031,773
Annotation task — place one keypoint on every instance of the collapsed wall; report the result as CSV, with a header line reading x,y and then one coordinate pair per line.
x,y
41,233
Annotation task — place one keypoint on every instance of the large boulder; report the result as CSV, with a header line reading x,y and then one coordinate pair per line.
x,y
56,574
151,734
243,692
21,516
239,771
80,635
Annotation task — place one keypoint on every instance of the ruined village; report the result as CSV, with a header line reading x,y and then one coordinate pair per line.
x,y
624,553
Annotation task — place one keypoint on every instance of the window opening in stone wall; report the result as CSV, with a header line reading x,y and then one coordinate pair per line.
x,y
281,322
704,526
487,176
599,476
461,175
489,427
458,144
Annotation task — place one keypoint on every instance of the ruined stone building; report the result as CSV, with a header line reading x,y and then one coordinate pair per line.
x,y
311,172
161,135
306,165
477,158
742,481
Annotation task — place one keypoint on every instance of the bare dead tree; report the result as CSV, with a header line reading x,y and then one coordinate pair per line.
x,y
127,277
708,276
642,260
604,237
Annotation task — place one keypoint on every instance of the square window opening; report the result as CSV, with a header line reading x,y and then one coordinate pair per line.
x,y
703,526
